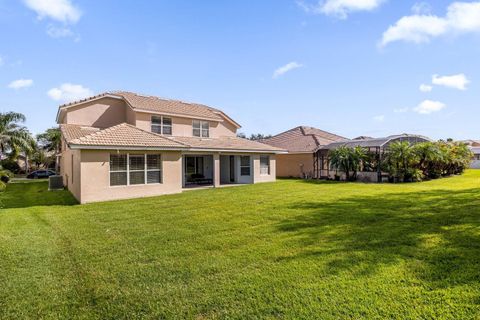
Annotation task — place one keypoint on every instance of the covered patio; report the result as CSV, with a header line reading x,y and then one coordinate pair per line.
x,y
198,170
218,169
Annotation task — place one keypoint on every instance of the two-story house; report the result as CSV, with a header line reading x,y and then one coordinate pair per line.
x,y
120,145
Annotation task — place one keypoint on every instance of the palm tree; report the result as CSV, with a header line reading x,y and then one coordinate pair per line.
x,y
429,155
13,136
51,141
460,157
401,160
347,160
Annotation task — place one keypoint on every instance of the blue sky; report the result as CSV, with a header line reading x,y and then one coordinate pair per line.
x,y
352,67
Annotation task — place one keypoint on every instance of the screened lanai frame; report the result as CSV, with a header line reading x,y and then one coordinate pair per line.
x,y
377,146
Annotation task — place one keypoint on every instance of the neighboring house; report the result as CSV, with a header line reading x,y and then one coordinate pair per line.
x,y
472,143
476,158
119,145
301,143
474,146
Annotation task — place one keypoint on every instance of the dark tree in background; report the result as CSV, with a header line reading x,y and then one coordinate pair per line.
x,y
254,136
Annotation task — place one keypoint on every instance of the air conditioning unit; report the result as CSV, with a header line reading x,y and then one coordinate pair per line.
x,y
55,183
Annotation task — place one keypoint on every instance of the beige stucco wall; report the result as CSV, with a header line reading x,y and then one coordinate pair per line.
x,y
101,113
90,170
183,127
257,177
294,165
222,129
130,116
70,170
95,178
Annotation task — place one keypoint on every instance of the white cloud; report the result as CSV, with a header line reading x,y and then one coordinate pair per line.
x,y
416,28
400,110
461,17
379,118
429,106
20,83
69,92
425,88
56,32
340,8
457,81
60,10
1,61
421,8
286,68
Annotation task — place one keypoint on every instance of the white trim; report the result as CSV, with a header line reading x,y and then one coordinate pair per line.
x,y
128,169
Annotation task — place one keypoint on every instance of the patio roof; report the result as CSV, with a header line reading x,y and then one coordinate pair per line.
x,y
375,142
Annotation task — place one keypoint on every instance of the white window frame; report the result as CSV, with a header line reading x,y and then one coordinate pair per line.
x,y
137,170
145,170
267,167
244,166
117,171
153,170
203,125
162,125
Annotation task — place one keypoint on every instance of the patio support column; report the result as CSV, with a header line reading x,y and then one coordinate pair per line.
x,y
216,169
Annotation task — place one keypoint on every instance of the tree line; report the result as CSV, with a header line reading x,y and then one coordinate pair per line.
x,y
403,161
17,142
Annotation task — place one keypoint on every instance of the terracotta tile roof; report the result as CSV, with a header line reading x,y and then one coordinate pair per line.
x,y
156,104
302,139
226,143
122,135
71,132
125,135
160,105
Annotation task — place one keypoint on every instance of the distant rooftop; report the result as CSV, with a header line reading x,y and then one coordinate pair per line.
x,y
302,139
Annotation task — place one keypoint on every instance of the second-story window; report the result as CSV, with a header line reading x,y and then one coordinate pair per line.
x,y
201,129
162,125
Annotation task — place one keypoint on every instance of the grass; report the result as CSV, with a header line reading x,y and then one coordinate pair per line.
x,y
290,249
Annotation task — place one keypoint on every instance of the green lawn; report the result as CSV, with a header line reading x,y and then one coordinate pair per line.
x,y
290,249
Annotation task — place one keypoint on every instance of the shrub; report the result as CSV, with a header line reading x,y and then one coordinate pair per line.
x,y
10,165
2,186
5,176
406,162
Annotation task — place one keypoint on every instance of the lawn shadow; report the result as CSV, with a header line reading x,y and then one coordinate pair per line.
x,y
436,233
34,194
